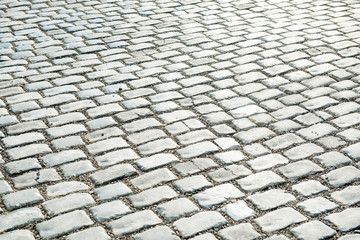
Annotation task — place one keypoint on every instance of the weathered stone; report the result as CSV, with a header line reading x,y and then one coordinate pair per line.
x,y
199,222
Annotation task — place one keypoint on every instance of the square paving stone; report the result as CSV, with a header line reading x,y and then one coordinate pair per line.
x,y
316,131
198,149
349,195
95,233
254,134
21,198
238,210
316,206
18,235
155,161
192,184
230,157
271,199
64,188
313,230
112,191
310,187
267,161
346,220
303,151
152,196
4,187
217,195
350,237
243,231
277,237
256,149
199,222
20,217
283,141
342,176
63,224
279,219
259,181
150,179
177,208
299,169
161,232
228,173
205,236
109,210
353,151
134,222
332,159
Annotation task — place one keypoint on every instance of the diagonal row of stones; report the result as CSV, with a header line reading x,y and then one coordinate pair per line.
x,y
179,119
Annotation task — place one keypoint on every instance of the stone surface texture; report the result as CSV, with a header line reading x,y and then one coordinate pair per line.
x,y
179,119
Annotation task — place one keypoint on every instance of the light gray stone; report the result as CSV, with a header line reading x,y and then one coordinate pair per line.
x,y
217,195
242,231
300,169
177,208
198,149
28,151
259,181
109,210
63,224
315,206
155,161
151,196
238,210
192,184
65,156
153,178
5,187
313,230
112,191
134,222
161,232
199,222
271,199
310,187
349,195
341,176
267,161
19,218
112,173
95,233
303,151
17,235
346,220
70,202
22,198
116,157
64,188
279,219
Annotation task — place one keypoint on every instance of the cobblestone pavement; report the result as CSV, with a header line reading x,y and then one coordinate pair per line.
x,y
180,119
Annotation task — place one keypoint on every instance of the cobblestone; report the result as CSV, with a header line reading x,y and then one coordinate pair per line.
x,y
133,222
63,224
20,217
217,195
280,219
22,198
314,230
317,206
70,202
345,220
199,222
161,119
245,230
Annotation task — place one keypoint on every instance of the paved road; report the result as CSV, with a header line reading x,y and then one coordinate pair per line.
x,y
188,119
